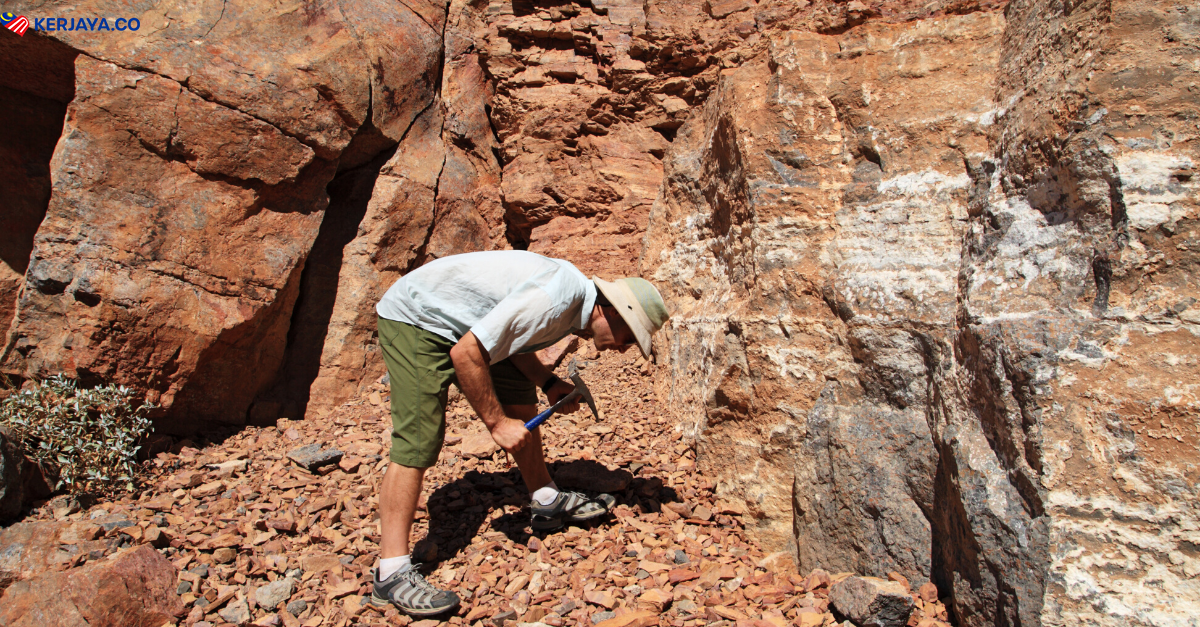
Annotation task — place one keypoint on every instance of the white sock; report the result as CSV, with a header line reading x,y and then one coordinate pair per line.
x,y
392,565
546,494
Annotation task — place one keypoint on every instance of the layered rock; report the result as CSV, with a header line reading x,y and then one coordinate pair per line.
x,y
914,269
583,115
824,203
1079,316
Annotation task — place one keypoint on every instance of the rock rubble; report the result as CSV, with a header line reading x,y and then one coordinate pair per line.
x,y
270,543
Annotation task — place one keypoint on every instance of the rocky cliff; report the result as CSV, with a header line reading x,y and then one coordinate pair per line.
x,y
932,264
935,288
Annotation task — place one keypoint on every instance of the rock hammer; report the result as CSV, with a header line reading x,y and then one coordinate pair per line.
x,y
581,391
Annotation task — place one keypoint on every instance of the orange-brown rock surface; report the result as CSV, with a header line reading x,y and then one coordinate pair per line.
x,y
932,264
189,186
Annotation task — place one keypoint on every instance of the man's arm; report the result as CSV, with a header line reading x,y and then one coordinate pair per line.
x,y
471,361
535,371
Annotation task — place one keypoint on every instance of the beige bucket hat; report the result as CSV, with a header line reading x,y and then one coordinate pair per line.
x,y
640,306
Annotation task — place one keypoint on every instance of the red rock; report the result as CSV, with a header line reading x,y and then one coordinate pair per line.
x,y
653,567
817,579
342,589
900,579
655,598
319,562
810,619
678,575
30,548
284,525
728,613
929,592
134,587
602,598
477,445
552,356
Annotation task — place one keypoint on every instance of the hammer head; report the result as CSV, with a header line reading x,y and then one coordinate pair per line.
x,y
582,388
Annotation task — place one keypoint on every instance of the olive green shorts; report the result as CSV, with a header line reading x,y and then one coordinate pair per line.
x,y
420,372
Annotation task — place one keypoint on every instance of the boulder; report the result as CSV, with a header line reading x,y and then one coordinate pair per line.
x,y
872,602
28,549
133,587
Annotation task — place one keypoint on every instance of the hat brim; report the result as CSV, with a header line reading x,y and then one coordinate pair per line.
x,y
627,305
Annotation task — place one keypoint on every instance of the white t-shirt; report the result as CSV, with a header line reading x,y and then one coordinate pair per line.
x,y
512,300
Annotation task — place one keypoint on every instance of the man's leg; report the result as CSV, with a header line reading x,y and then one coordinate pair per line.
x,y
397,507
531,459
418,364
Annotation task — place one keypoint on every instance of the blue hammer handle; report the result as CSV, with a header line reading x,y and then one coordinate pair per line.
x,y
540,418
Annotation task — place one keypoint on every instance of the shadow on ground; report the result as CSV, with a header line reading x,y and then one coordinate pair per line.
x,y
459,511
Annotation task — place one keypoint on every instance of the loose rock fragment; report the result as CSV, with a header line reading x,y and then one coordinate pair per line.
x,y
929,592
872,602
274,593
237,613
477,445
312,456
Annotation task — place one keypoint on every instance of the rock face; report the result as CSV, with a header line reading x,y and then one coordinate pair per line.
x,y
816,373
33,548
39,103
915,268
188,192
134,587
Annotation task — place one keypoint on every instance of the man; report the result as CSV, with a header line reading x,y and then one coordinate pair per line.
x,y
476,319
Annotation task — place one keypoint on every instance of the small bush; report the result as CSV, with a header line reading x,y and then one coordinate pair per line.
x,y
84,440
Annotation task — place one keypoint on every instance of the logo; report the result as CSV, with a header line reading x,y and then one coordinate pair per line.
x,y
19,23
15,23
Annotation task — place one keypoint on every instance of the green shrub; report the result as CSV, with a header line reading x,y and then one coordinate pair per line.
x,y
84,440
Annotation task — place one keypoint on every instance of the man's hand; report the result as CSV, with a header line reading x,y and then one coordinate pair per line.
x,y
559,390
511,435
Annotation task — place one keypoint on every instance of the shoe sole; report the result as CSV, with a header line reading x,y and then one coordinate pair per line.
x,y
381,603
546,523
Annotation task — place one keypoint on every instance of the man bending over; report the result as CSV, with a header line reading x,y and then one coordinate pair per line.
x,y
475,320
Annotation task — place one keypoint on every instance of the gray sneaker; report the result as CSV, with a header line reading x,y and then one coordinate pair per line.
x,y
569,507
409,592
